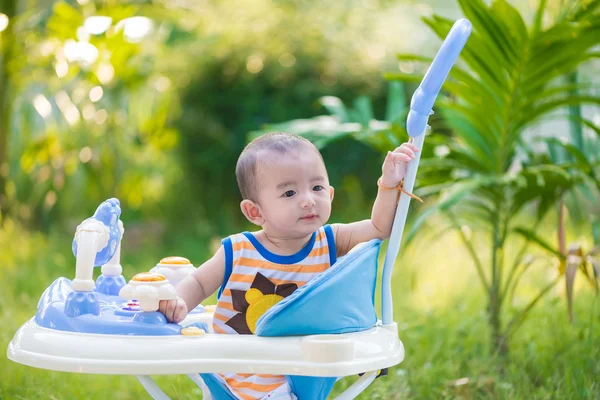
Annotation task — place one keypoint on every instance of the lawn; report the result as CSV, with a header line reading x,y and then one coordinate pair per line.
x,y
439,307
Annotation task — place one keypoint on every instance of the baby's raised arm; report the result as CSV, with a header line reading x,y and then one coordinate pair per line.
x,y
384,209
194,289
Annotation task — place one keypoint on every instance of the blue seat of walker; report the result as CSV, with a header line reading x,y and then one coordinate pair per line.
x,y
340,300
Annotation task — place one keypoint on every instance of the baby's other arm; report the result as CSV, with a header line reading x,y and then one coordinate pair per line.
x,y
195,288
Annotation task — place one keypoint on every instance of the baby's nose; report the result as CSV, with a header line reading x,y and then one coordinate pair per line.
x,y
308,201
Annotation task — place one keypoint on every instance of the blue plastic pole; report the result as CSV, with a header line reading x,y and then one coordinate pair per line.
x,y
416,125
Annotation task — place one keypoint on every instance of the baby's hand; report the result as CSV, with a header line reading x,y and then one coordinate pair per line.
x,y
174,310
394,165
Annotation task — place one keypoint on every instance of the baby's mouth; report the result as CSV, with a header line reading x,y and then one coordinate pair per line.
x,y
309,217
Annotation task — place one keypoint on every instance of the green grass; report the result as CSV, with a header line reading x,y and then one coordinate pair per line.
x,y
439,307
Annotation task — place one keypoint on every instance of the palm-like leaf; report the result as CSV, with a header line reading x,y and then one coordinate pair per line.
x,y
507,81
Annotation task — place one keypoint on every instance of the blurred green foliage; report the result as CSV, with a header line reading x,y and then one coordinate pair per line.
x,y
154,105
90,110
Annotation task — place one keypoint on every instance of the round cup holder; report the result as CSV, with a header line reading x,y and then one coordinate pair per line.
x,y
327,348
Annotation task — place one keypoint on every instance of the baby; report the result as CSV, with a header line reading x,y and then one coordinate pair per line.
x,y
285,189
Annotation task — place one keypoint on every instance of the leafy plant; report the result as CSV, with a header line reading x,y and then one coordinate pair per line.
x,y
581,150
511,78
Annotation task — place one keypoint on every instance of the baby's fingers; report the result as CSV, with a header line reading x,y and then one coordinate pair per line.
x,y
162,306
402,157
167,307
180,312
408,145
395,158
171,308
405,150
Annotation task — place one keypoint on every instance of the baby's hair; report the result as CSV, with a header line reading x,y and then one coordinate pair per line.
x,y
247,164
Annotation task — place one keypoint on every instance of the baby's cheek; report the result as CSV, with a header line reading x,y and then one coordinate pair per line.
x,y
326,209
283,216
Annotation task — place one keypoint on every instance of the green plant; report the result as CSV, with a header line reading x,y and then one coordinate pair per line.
x,y
580,150
510,78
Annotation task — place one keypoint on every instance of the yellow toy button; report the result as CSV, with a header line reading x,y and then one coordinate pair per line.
x,y
148,277
192,331
175,260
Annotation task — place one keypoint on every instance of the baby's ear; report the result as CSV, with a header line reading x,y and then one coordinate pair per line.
x,y
251,212
331,192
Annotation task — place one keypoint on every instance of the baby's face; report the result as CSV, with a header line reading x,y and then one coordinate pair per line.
x,y
294,193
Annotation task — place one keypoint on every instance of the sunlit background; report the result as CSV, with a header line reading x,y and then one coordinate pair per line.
x,y
152,101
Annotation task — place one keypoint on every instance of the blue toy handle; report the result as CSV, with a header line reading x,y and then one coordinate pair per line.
x,y
425,95
108,212
416,124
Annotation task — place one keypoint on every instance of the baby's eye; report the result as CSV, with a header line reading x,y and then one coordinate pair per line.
x,y
318,188
289,193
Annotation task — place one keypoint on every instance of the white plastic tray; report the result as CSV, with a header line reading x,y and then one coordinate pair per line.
x,y
317,355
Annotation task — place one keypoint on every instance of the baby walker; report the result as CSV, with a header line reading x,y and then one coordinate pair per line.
x,y
98,328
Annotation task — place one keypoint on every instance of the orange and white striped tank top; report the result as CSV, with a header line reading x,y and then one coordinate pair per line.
x,y
255,280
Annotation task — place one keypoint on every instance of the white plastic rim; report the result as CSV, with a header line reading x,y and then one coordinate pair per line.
x,y
374,349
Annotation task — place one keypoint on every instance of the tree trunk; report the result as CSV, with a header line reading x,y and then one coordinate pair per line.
x,y
7,7
498,339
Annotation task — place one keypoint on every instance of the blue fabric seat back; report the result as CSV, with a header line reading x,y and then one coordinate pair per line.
x,y
340,300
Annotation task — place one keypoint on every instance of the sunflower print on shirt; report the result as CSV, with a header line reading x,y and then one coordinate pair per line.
x,y
251,304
